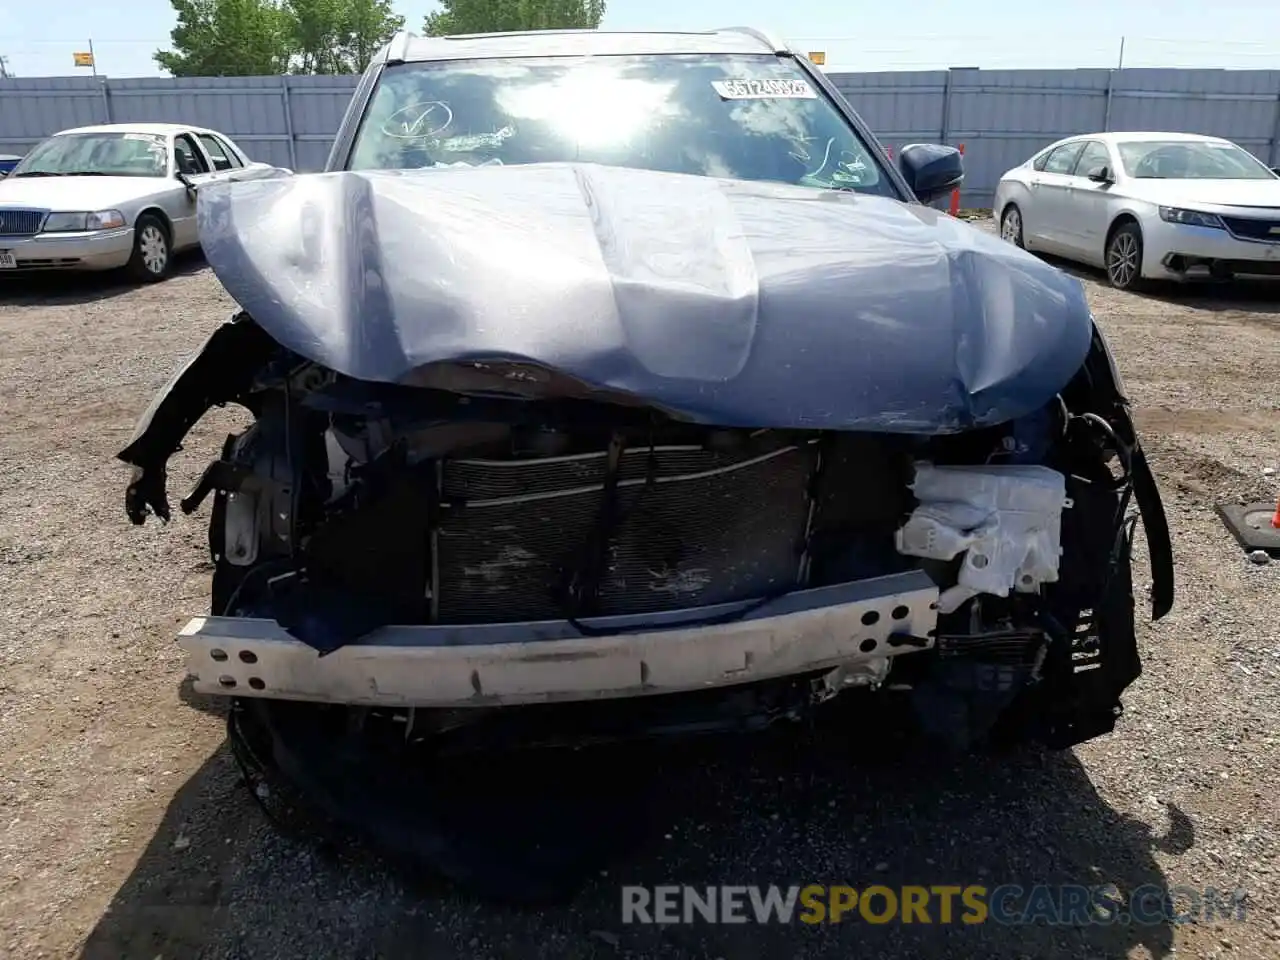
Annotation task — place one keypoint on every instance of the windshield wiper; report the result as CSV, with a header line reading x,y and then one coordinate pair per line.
x,y
36,173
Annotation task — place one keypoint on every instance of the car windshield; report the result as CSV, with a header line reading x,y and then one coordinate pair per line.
x,y
746,117
97,154
1190,160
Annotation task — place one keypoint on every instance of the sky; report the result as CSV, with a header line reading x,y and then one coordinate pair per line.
x,y
38,37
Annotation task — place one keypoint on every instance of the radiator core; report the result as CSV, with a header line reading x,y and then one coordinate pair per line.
x,y
692,527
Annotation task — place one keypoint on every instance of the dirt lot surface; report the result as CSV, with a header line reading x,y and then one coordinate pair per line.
x,y
124,831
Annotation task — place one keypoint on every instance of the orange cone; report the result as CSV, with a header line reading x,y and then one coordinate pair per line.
x,y
1275,520
955,194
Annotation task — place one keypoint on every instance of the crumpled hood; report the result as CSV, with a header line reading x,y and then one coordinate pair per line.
x,y
732,303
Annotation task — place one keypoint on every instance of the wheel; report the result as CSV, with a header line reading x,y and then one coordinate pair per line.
x,y
152,253
1011,225
1124,257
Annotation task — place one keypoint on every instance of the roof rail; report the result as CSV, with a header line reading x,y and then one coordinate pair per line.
x,y
397,47
776,44
517,33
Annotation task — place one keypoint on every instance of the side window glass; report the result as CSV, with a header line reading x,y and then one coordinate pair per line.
x,y
232,156
1040,161
216,153
187,156
1093,156
1063,158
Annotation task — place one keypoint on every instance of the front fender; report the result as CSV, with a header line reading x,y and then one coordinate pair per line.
x,y
221,371
1110,399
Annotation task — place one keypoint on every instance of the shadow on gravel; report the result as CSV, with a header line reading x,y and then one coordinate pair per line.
x,y
1255,295
65,288
851,802
216,706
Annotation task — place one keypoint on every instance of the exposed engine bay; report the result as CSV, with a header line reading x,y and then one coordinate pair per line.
x,y
351,508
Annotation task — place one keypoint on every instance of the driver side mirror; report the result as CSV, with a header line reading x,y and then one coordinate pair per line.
x,y
931,170
1101,174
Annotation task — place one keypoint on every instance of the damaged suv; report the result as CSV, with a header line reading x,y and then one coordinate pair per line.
x,y
612,384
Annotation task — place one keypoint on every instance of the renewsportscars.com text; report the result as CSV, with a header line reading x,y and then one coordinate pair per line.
x,y
1070,904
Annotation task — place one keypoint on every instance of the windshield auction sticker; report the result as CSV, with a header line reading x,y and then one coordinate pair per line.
x,y
764,89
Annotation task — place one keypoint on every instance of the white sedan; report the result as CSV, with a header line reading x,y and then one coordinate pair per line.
x,y
1146,206
115,195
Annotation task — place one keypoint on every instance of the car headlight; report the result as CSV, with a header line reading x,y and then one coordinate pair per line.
x,y
97,220
1190,218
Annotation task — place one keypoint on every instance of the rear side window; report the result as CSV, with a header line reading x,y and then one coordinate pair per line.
x,y
1095,155
234,153
1063,158
223,157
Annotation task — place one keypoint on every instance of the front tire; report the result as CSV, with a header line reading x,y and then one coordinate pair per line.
x,y
1124,257
152,250
1011,225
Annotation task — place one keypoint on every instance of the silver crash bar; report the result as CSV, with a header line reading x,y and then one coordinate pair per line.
x,y
848,627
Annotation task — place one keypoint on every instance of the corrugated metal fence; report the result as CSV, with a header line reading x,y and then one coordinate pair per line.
x,y
1001,116
289,121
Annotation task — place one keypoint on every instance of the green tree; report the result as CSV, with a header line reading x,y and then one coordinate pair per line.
x,y
366,26
227,38
496,16
338,36
223,38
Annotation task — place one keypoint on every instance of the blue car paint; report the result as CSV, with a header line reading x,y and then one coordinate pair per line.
x,y
720,301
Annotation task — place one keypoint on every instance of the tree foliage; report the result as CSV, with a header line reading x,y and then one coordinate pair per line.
x,y
496,16
227,38
338,36
219,38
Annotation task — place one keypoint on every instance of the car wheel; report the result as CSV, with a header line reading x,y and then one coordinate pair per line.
x,y
1011,225
152,251
1124,257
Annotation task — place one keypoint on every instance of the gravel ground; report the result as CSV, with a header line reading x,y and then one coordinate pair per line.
x,y
124,832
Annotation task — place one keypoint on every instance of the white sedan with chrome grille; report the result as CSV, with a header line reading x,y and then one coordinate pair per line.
x,y
1146,206
112,196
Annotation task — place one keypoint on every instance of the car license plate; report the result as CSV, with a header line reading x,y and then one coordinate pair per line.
x,y
7,260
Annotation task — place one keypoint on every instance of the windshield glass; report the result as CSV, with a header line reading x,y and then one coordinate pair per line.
x,y
747,117
102,154
1190,160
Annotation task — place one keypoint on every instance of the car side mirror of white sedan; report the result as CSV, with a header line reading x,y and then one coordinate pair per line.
x,y
1101,174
